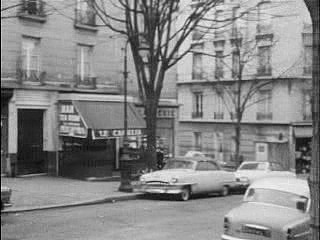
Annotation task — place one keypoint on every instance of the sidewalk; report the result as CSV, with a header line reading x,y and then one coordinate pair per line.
x,y
45,192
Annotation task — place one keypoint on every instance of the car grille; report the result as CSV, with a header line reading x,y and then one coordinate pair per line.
x,y
157,183
256,230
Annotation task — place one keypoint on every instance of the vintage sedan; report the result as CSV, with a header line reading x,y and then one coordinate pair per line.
x,y
5,196
249,171
272,208
184,176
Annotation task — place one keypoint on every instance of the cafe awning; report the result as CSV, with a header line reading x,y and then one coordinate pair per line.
x,y
303,131
105,119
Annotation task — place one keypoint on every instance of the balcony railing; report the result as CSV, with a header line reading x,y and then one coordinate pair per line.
x,y
263,29
85,17
218,73
197,35
218,115
33,8
264,116
307,70
307,116
85,81
197,75
264,70
35,76
197,115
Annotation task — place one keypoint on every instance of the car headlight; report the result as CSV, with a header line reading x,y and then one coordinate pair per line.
x,y
226,225
142,179
244,179
174,180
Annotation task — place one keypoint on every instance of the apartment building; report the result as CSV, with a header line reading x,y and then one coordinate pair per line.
x,y
266,50
62,92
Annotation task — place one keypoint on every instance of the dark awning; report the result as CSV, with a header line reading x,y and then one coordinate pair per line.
x,y
106,119
303,131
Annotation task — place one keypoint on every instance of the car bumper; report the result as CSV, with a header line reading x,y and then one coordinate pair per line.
x,y
227,237
165,189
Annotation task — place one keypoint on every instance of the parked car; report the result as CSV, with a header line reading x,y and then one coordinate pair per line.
x,y
184,176
249,171
5,196
272,208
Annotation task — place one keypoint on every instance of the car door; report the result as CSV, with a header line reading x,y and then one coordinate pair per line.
x,y
201,177
215,177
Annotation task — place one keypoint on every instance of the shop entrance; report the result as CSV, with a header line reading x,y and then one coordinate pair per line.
x,y
30,142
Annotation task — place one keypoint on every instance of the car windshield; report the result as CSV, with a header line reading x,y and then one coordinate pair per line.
x,y
173,164
253,166
271,196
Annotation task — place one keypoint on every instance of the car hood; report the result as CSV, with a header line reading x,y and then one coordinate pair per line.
x,y
167,174
271,216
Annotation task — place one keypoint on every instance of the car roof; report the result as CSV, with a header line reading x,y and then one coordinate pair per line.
x,y
285,184
197,159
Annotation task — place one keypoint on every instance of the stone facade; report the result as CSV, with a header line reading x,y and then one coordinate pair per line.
x,y
206,122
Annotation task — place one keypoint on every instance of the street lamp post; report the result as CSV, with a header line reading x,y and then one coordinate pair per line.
x,y
125,183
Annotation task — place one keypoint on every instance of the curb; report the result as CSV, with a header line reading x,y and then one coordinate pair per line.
x,y
75,204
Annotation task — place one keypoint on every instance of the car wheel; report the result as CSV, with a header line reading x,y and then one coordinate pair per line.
x,y
185,194
224,191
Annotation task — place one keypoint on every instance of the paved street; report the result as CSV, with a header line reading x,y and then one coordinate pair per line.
x,y
146,218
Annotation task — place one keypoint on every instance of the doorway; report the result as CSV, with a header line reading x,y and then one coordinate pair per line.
x,y
30,142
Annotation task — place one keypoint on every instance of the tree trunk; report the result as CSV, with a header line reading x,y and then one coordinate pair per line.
x,y
314,171
151,106
237,140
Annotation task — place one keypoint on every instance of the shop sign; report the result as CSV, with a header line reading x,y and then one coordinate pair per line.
x,y
112,133
162,112
71,124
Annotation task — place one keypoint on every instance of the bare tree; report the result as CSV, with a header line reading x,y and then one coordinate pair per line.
x,y
155,35
313,7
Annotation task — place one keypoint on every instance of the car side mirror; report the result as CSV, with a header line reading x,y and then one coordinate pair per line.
x,y
301,205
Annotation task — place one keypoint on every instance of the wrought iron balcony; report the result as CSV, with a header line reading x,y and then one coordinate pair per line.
x,y
197,114
218,115
33,8
307,70
85,17
85,81
264,116
264,70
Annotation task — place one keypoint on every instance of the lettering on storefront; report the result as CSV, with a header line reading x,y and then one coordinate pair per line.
x,y
116,133
70,121
162,112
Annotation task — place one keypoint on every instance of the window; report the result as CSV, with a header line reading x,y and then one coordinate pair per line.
x,y
218,107
219,65
235,64
197,34
212,166
197,141
235,33
264,60
264,106
307,53
197,62
264,18
197,105
85,13
30,58
219,32
307,114
33,7
202,166
84,63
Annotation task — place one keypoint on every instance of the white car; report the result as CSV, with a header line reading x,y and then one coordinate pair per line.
x,y
272,208
249,171
186,176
